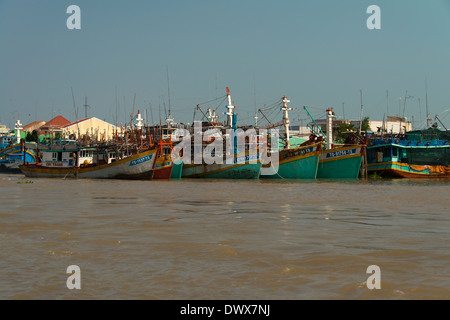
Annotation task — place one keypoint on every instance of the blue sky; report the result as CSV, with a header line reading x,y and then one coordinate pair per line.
x,y
317,53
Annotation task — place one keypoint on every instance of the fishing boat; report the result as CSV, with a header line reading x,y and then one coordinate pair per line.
x,y
14,151
338,162
165,167
416,154
15,155
294,162
67,159
243,165
234,161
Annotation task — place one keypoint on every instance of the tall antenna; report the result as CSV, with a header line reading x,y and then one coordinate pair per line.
x,y
132,113
404,102
76,112
360,122
420,112
151,113
117,109
426,103
254,93
216,84
159,108
85,107
168,87
387,103
343,110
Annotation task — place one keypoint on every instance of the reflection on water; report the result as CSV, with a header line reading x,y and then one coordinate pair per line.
x,y
221,239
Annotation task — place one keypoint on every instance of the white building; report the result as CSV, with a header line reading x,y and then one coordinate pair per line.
x,y
93,128
4,130
394,125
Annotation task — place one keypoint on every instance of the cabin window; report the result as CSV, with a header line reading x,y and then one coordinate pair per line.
x,y
59,156
403,155
54,155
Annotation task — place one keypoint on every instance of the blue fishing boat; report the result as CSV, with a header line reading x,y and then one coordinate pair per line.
x,y
15,152
419,153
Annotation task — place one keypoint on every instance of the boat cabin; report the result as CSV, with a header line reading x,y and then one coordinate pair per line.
x,y
67,158
6,141
412,154
105,157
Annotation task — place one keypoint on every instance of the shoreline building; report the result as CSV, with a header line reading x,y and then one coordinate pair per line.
x,y
4,130
52,129
91,129
394,125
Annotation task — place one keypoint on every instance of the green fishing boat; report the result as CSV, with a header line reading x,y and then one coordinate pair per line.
x,y
177,169
293,162
343,162
336,162
340,163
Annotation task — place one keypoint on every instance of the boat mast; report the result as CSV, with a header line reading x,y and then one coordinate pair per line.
x,y
18,127
387,102
254,93
286,121
321,132
426,103
361,118
329,128
230,108
169,119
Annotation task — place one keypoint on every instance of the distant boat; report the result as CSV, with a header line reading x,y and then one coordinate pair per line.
x,y
15,151
163,163
14,155
421,153
68,160
165,167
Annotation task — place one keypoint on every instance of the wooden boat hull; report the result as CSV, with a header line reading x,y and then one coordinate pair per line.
x,y
177,171
296,163
405,170
163,167
7,166
340,163
12,157
139,166
163,172
242,167
429,158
